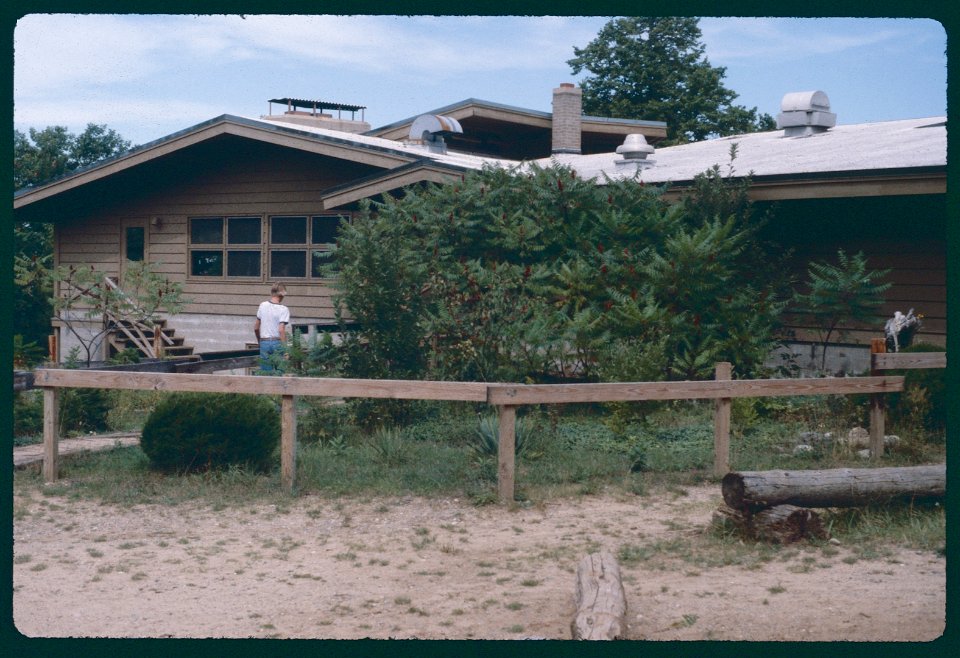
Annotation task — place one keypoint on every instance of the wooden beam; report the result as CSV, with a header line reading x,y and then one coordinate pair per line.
x,y
908,360
217,365
721,424
288,442
878,416
517,394
254,385
838,487
51,408
506,453
601,604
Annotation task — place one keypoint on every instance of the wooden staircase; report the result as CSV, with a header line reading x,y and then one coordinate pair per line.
x,y
152,342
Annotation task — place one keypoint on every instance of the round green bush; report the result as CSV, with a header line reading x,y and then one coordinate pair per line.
x,y
204,431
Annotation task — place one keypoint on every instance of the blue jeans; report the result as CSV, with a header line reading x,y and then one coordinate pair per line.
x,y
268,347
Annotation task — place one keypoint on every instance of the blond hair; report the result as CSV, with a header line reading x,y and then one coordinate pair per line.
x,y
278,289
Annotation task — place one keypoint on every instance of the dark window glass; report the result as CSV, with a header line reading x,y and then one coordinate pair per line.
x,y
288,264
243,230
206,263
288,230
206,230
322,264
135,243
243,263
325,228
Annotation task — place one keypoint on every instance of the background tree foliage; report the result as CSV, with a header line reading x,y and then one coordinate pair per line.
x,y
654,68
536,275
38,158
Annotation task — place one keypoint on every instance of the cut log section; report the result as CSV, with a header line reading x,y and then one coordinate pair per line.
x,y
840,487
600,599
781,524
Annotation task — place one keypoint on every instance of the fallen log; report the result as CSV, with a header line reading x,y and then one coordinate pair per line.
x,y
839,487
600,599
781,524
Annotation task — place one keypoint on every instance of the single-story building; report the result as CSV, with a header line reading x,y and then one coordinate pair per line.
x,y
229,205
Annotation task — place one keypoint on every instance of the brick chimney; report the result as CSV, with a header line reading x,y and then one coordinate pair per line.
x,y
567,110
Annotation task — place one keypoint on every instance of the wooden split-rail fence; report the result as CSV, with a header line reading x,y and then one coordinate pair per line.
x,y
506,397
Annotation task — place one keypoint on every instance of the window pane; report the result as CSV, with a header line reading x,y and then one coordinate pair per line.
x,y
288,230
206,263
243,230
206,230
243,263
325,228
323,264
288,263
135,243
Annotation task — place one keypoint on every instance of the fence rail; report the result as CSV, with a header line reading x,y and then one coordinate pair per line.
x,y
506,397
907,360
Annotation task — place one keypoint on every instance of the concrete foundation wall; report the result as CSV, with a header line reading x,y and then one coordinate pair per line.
x,y
841,360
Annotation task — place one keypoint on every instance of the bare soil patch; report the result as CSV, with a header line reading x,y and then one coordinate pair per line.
x,y
437,569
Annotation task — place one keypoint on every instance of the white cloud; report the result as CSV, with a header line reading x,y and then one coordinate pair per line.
x,y
789,39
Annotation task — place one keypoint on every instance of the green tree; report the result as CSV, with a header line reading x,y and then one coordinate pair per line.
x,y
38,158
841,294
654,68
537,275
90,306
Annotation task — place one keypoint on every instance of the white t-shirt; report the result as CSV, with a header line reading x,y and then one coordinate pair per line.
x,y
271,316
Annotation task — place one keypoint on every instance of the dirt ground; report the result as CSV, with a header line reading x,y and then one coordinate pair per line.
x,y
434,569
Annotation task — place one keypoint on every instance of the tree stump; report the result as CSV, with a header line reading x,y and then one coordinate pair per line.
x,y
840,487
600,599
781,524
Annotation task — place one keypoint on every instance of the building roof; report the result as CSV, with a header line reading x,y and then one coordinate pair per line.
x,y
520,133
894,157
869,150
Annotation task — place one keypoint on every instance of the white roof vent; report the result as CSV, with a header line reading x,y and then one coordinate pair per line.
x,y
805,113
429,130
634,151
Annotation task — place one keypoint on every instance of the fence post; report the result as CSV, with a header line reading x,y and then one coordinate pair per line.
x,y
51,407
505,453
877,404
288,442
721,424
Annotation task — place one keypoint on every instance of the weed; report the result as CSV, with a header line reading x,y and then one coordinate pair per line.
x,y
402,600
516,628
514,606
530,582
777,589
92,552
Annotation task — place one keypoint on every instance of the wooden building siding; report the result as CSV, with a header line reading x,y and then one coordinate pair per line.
x,y
918,280
237,179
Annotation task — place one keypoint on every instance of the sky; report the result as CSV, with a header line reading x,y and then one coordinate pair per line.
x,y
147,76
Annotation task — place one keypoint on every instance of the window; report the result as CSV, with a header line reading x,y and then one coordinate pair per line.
x,y
323,234
243,236
286,246
135,243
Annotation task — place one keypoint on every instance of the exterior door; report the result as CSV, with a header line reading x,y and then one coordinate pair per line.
x,y
134,243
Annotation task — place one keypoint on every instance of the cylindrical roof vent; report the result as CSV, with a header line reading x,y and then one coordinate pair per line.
x,y
805,113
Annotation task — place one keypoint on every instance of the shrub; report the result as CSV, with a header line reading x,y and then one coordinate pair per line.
x,y
924,397
529,276
83,410
204,431
27,413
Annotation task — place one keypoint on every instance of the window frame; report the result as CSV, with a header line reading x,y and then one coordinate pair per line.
x,y
266,247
